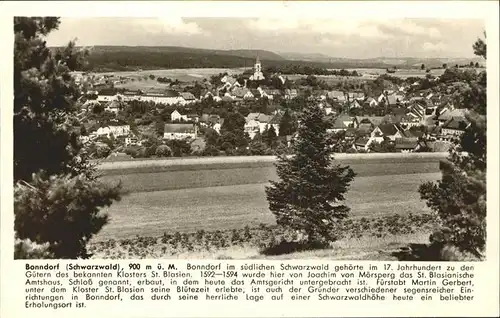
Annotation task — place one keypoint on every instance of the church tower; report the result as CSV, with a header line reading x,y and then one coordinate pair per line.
x,y
258,66
257,75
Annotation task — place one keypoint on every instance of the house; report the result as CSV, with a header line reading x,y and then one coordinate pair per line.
x,y
180,131
188,97
258,123
362,143
447,114
241,93
337,95
115,130
371,102
365,124
229,82
176,116
193,117
406,144
274,93
105,98
266,93
355,104
228,98
256,93
454,127
169,97
132,140
355,96
291,93
343,122
390,131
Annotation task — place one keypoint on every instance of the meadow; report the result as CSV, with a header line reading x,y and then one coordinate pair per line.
x,y
216,207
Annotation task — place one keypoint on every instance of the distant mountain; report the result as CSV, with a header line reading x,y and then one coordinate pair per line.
x,y
315,57
116,58
404,62
263,54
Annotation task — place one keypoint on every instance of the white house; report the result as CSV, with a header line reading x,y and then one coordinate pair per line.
x,y
382,131
258,123
176,116
115,130
180,131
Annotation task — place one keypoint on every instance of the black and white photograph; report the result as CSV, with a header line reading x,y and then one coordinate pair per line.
x,y
264,138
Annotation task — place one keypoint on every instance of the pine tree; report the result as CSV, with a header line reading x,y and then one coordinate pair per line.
x,y
57,196
286,124
307,197
459,198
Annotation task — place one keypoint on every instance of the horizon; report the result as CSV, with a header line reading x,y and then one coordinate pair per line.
x,y
353,38
276,52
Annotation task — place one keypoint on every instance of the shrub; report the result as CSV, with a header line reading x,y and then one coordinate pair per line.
x,y
163,151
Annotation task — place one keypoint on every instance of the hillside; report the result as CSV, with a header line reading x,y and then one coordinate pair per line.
x,y
130,58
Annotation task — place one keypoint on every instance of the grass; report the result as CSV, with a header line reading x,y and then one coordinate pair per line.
x,y
234,206
223,198
374,239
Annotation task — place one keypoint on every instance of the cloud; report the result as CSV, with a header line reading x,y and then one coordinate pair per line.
x,y
338,27
353,26
172,25
431,47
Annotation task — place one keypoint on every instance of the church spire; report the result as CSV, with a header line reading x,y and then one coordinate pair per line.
x,y
257,61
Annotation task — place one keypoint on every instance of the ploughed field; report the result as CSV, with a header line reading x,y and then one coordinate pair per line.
x,y
210,195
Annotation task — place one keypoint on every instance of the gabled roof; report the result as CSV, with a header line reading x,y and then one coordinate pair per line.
x,y
255,92
187,96
339,122
457,123
240,92
388,129
375,120
262,118
448,114
405,143
179,128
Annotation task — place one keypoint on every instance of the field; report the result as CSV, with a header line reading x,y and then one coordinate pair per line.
x,y
198,74
183,75
225,196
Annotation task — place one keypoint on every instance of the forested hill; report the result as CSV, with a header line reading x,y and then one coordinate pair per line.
x,y
123,58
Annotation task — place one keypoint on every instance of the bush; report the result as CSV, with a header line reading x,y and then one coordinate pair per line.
x,y
163,151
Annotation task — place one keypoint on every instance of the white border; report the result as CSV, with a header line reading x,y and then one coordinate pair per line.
x,y
487,10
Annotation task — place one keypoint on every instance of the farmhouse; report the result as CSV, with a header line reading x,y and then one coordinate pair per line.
x,y
383,131
180,131
454,127
258,123
343,122
176,116
188,97
115,130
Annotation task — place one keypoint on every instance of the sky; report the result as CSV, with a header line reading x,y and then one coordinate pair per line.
x,y
343,38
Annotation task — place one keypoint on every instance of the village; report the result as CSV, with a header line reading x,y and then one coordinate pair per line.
x,y
255,113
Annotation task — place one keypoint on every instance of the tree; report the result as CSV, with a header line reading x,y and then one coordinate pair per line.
x,y
445,66
57,195
310,187
286,124
422,67
459,198
269,137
